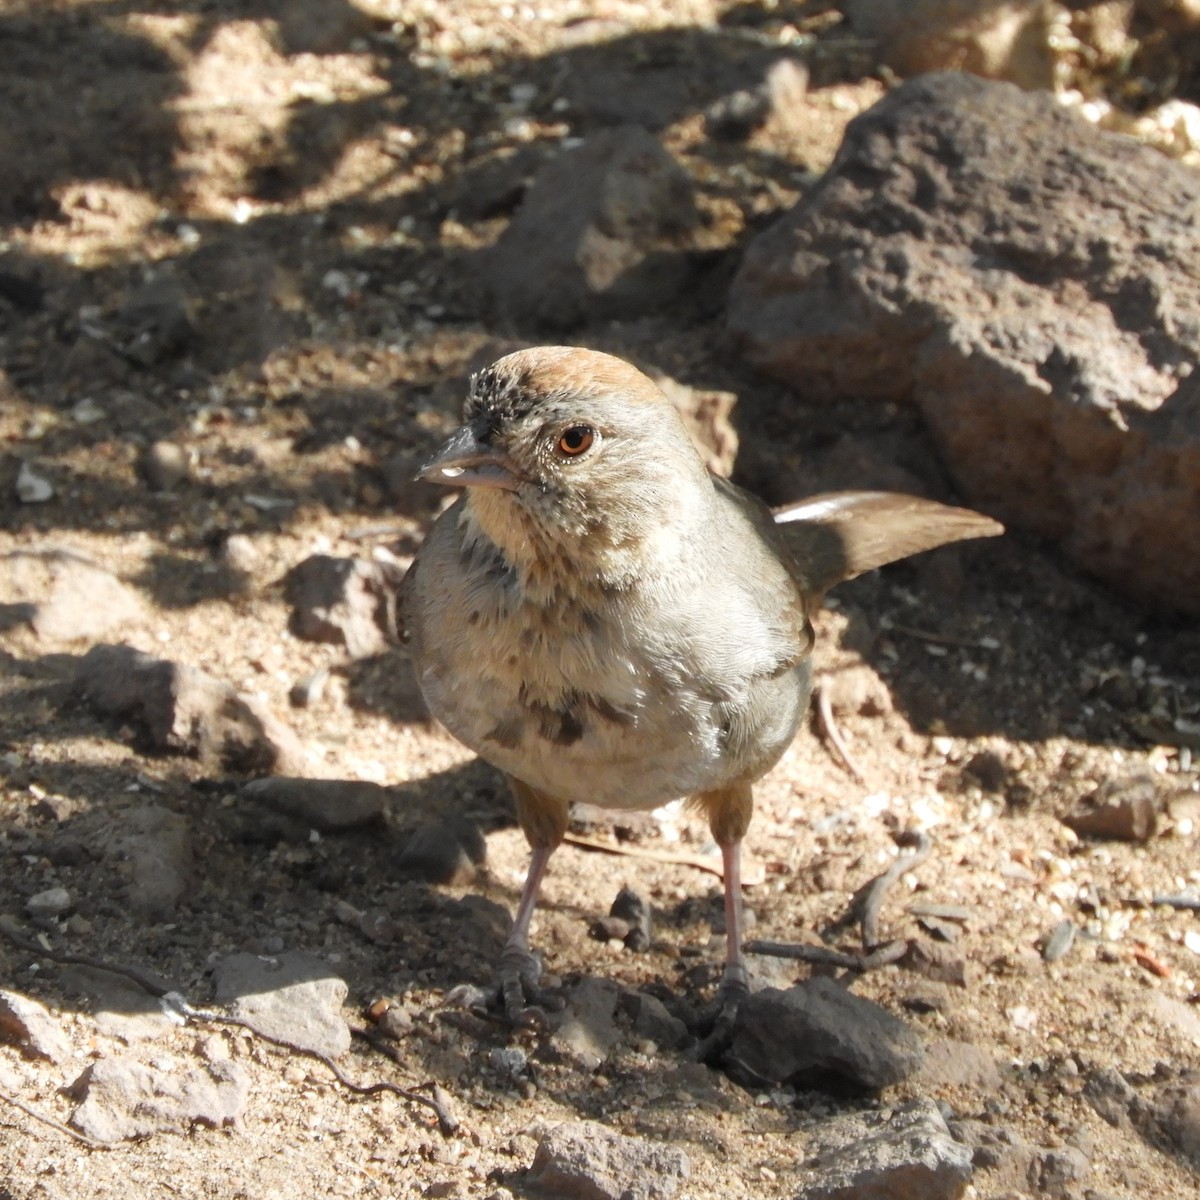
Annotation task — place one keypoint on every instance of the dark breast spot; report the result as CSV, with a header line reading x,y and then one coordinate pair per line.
x,y
602,708
561,724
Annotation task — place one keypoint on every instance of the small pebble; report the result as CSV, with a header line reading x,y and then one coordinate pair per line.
x,y
308,691
33,488
1059,941
164,465
508,1060
239,553
395,1022
53,902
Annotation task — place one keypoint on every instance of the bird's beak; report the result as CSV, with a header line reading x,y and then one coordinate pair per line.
x,y
464,461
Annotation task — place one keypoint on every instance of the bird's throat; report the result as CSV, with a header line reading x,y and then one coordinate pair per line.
x,y
549,552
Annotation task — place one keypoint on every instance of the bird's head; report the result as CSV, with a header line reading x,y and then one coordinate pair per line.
x,y
570,451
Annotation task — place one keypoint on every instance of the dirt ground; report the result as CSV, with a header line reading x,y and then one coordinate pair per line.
x,y
250,229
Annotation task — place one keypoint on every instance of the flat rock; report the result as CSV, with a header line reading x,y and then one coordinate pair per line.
x,y
121,1099
1169,1113
1031,284
1176,1112
185,710
30,1026
938,962
328,805
50,903
905,1154
152,849
585,1032
350,602
65,597
817,1032
294,998
582,1160
597,236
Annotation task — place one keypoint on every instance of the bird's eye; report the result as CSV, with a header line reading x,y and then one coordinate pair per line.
x,y
576,440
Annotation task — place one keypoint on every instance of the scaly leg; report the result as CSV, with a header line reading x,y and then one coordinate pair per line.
x,y
728,812
737,978
544,822
519,969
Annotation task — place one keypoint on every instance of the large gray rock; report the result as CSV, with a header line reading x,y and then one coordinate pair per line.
x,y
816,1032
294,998
904,1155
1032,284
347,601
32,1027
120,1098
597,235
329,805
64,596
582,1160
151,847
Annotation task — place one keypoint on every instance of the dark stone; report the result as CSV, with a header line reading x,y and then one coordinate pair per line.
x,y
817,1033
346,601
181,709
597,236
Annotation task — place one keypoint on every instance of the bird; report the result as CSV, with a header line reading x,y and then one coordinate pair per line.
x,y
606,621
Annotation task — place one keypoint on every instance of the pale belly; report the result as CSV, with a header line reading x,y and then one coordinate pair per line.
x,y
656,754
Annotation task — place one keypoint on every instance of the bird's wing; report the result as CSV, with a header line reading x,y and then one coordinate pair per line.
x,y
838,535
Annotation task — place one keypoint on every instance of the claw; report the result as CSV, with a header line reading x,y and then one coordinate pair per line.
x,y
717,1021
518,991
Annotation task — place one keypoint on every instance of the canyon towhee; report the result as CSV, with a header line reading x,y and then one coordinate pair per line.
x,y
605,621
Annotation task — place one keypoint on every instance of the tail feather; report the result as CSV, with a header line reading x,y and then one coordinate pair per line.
x,y
838,535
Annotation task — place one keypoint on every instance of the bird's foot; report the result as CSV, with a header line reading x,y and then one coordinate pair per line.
x,y
515,998
717,1021
522,1002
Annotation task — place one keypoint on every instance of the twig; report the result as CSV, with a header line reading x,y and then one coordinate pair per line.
x,y
864,907
438,1099
824,956
831,733
366,532
29,1111
1183,903
876,891
865,904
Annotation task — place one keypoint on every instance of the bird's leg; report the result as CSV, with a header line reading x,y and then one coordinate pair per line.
x,y
736,982
729,811
544,822
519,969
